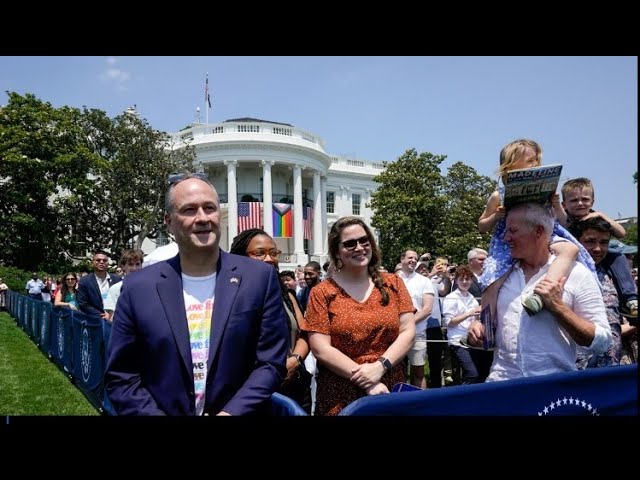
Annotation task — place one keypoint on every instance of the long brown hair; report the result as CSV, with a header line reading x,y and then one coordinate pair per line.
x,y
334,246
63,287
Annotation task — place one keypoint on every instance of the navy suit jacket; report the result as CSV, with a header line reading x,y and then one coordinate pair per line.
x,y
149,369
89,296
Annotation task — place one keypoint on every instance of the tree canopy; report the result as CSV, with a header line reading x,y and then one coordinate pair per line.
x,y
417,207
75,180
42,148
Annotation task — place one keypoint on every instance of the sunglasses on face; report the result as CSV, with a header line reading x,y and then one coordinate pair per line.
x,y
178,177
262,254
70,279
351,244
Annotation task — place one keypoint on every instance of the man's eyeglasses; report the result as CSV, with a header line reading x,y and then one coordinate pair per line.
x,y
101,260
351,244
262,254
178,177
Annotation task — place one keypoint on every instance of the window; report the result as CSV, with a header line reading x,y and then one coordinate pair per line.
x,y
331,201
355,204
78,246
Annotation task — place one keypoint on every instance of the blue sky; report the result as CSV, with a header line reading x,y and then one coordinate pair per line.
x,y
582,110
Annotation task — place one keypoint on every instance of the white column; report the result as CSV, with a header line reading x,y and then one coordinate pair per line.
x,y
267,197
345,208
232,192
318,244
323,189
297,211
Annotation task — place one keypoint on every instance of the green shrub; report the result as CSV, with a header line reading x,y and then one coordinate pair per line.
x,y
15,278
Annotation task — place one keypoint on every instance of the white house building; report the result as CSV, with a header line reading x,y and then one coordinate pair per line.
x,y
258,164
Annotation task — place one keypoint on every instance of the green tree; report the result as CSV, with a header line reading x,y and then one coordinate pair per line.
x,y
416,207
126,199
41,148
408,204
631,238
465,195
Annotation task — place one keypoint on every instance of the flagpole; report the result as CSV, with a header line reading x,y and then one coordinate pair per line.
x,y
206,97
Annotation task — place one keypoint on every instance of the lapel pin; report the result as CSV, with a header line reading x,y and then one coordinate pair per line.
x,y
234,280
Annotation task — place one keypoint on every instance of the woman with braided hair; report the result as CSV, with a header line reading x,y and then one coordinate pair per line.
x,y
258,244
360,321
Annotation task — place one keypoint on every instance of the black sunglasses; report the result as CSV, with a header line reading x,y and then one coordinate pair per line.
x,y
178,177
351,244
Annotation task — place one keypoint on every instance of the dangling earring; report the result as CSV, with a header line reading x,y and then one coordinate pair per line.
x,y
338,265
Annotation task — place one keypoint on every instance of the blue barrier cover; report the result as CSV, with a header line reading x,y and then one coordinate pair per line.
x,y
24,313
88,355
61,338
597,391
283,406
107,407
45,327
34,324
404,387
11,302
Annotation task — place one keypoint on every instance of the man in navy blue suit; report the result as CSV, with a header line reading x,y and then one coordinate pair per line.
x,y
94,288
203,333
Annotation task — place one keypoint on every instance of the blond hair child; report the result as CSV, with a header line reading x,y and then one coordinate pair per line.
x,y
524,153
578,197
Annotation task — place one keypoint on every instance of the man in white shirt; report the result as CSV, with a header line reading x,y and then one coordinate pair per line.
x,y
3,290
476,258
34,287
130,261
422,295
574,311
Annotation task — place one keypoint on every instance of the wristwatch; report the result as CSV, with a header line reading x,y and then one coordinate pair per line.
x,y
298,357
386,363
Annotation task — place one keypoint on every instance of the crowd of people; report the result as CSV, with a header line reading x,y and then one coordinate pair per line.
x,y
208,332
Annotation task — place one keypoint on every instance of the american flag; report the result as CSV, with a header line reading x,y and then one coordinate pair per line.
x,y
207,97
249,216
307,221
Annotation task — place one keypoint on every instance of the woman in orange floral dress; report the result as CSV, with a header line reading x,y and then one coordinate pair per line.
x,y
360,322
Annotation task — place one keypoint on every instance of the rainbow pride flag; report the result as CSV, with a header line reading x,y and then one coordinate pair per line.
x,y
283,220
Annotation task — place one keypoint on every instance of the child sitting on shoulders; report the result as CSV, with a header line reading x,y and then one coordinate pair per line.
x,y
519,154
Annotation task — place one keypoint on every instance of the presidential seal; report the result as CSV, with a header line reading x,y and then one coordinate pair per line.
x,y
86,354
60,337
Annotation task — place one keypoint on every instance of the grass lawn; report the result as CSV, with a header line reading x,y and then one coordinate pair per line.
x,y
29,383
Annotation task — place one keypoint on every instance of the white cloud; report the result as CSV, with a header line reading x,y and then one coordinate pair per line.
x,y
115,76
